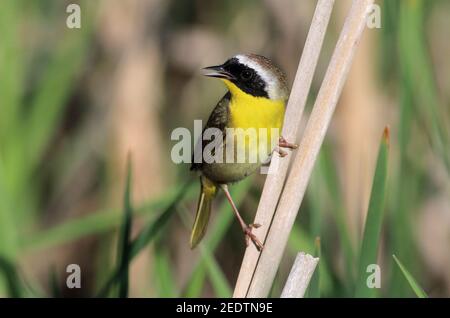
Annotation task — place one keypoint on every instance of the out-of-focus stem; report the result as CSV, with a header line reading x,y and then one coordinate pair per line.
x,y
266,267
297,100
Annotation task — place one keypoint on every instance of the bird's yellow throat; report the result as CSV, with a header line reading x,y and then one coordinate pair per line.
x,y
248,111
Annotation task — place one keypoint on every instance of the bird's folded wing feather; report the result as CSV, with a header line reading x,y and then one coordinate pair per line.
x,y
218,119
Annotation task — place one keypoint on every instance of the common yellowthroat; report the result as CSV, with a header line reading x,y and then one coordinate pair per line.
x,y
256,98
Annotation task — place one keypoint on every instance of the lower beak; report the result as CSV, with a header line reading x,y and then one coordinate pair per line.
x,y
217,71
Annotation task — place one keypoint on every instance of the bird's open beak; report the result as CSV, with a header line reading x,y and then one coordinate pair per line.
x,y
217,71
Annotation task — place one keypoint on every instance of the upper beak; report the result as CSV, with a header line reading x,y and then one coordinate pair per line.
x,y
217,71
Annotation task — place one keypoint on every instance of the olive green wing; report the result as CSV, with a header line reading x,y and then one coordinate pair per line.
x,y
219,118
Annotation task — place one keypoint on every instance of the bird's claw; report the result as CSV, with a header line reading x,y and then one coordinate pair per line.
x,y
285,144
281,152
250,236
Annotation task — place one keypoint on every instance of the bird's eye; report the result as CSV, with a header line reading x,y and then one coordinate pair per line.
x,y
246,75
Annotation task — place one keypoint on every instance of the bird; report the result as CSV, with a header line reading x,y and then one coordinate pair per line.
x,y
256,98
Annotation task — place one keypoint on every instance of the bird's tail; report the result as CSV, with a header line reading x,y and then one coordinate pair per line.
x,y
207,192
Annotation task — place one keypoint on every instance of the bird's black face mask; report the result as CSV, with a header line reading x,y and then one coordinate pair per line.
x,y
244,77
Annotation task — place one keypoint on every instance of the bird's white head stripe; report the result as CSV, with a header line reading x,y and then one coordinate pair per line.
x,y
273,86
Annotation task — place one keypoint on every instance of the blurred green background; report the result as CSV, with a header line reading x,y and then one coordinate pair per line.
x,y
74,103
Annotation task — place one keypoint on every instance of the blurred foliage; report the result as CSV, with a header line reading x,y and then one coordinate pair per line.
x,y
42,82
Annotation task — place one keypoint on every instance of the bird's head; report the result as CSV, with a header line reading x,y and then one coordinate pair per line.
x,y
253,74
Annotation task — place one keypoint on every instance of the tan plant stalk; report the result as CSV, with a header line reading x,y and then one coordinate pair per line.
x,y
297,100
300,276
264,272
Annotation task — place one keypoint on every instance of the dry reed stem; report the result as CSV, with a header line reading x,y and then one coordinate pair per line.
x,y
294,190
300,276
274,182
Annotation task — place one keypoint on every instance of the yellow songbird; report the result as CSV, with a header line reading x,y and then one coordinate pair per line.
x,y
255,101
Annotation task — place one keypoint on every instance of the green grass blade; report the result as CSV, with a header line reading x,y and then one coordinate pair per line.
x,y
299,240
124,238
218,280
54,88
338,213
165,284
146,236
150,231
53,283
314,286
374,220
407,194
194,287
8,234
417,68
225,218
408,181
93,223
11,66
13,281
412,282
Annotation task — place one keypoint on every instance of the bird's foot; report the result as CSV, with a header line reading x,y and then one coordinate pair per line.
x,y
285,144
281,152
250,236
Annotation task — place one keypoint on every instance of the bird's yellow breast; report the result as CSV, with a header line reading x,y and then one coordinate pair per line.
x,y
257,123
248,111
